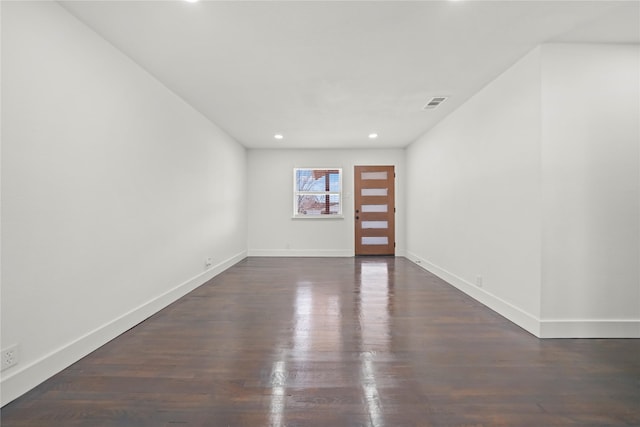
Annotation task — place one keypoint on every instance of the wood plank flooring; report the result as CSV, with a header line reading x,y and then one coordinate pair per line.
x,y
337,342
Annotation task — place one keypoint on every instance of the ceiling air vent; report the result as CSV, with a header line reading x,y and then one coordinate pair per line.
x,y
434,102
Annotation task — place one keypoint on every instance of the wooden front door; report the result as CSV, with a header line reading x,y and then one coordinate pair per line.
x,y
374,210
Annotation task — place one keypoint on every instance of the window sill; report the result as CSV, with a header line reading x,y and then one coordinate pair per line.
x,y
321,217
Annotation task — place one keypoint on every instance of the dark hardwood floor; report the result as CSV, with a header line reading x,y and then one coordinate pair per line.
x,y
337,342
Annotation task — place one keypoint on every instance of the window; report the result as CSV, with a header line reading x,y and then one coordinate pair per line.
x,y
317,193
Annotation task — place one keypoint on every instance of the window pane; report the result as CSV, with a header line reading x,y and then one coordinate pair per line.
x,y
318,204
317,192
334,180
317,180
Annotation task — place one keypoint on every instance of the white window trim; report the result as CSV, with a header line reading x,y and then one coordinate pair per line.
x,y
296,193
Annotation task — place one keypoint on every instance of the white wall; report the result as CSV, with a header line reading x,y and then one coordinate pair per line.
x,y
533,184
591,215
473,195
273,231
114,191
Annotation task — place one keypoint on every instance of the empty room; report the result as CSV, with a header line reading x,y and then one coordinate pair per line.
x,y
320,213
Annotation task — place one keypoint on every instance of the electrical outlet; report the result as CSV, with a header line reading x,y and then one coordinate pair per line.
x,y
208,262
479,281
9,357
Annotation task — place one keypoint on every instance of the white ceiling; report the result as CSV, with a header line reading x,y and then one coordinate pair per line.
x,y
325,74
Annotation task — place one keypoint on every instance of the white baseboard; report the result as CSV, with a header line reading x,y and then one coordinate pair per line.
x,y
301,252
589,328
516,315
541,328
23,378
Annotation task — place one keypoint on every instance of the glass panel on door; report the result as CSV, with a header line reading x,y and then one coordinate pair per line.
x,y
374,208
374,192
374,175
375,224
375,240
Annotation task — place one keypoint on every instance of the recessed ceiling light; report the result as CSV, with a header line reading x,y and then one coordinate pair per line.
x,y
278,136
192,1
373,135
